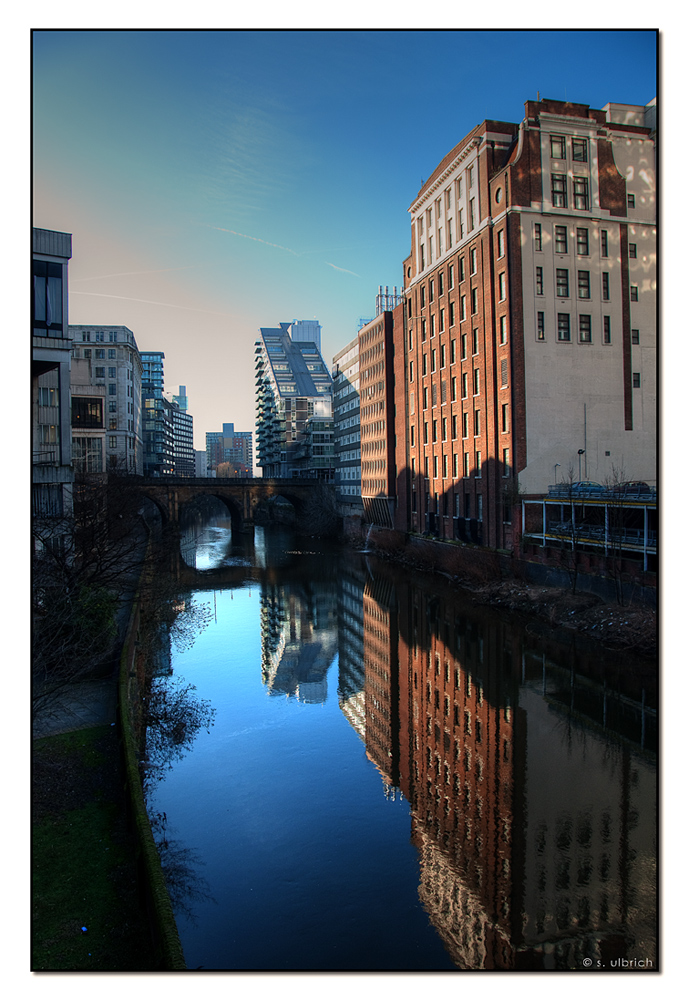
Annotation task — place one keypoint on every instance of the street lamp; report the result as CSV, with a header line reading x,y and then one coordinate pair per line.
x,y
557,466
580,453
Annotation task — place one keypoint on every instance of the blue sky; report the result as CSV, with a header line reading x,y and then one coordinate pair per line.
x,y
216,182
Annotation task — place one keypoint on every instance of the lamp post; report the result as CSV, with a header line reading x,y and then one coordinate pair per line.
x,y
580,453
557,466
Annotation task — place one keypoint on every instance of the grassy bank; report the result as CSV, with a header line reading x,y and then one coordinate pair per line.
x,y
84,868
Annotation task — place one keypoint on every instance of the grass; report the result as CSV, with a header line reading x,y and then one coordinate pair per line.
x,y
84,859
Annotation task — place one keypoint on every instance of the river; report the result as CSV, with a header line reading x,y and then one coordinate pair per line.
x,y
381,774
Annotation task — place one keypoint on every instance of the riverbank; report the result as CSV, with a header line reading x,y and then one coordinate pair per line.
x,y
86,908
629,626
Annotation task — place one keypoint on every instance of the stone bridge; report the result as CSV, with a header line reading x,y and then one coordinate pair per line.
x,y
240,496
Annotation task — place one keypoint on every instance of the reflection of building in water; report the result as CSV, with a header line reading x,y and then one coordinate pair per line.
x,y
535,848
381,683
351,651
298,639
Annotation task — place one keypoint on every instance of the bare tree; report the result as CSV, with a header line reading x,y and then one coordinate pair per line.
x,y
84,567
319,515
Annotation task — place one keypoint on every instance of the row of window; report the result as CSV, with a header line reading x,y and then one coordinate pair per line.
x,y
442,427
583,284
449,466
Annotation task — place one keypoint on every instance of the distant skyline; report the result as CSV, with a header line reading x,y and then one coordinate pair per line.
x,y
216,182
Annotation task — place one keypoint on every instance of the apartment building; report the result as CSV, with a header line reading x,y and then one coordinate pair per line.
x,y
106,400
294,424
229,445
51,461
530,336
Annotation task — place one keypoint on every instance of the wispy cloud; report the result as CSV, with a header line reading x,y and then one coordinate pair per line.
x,y
344,269
122,274
256,239
150,302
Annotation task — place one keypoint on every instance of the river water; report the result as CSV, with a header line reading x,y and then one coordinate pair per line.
x,y
395,778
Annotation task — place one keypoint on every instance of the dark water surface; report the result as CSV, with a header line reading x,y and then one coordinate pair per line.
x,y
398,779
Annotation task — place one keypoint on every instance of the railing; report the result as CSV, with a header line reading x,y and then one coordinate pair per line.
x,y
565,491
47,456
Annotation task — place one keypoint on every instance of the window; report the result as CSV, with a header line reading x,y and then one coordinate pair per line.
x,y
112,354
445,477
584,284
112,372
451,276
501,243
579,150
423,329
112,441
440,242
634,290
606,330
465,391
503,329
444,429
425,432
453,389
636,380
112,406
453,351
449,236
100,372
563,326
472,261
557,147
454,428
505,418
87,352
435,431
430,250
632,250
503,373
538,236
539,281
442,355
478,465
452,314
604,242
477,381
431,290
435,466
100,354
470,177
464,346
583,242
631,201
463,307
411,371
47,299
86,411
562,282
411,435
606,286
502,286
441,284
433,360
540,326
425,399
465,425
423,296
477,423
442,320
585,329
472,213
433,325
474,342
461,223
559,190
581,193
560,239
461,268
474,301
424,365
455,475
635,336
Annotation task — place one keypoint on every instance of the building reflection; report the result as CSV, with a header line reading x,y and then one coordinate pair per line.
x,y
535,849
298,639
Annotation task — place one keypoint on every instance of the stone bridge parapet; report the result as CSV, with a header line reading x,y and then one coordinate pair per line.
x,y
240,496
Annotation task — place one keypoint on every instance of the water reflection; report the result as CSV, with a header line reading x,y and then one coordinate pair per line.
x,y
528,771
535,830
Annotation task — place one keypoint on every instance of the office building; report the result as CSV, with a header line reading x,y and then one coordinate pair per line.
x,y
106,400
230,447
157,417
294,424
529,342
346,424
51,439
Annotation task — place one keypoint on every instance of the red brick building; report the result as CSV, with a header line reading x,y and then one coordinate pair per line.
x,y
528,338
